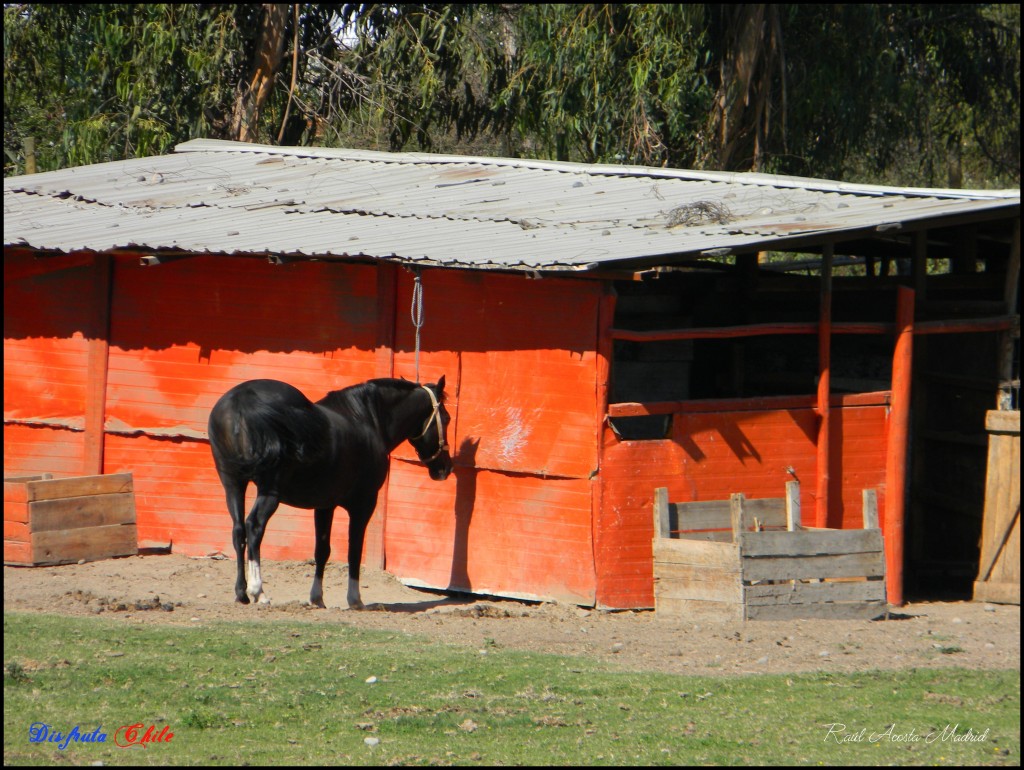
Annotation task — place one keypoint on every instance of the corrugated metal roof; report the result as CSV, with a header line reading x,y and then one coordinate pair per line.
x,y
234,198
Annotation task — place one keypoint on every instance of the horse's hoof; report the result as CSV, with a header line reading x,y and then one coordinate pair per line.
x,y
242,599
356,606
318,604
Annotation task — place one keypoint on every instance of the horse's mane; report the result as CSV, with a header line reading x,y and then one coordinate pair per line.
x,y
356,399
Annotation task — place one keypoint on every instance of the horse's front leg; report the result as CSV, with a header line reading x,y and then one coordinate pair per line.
x,y
323,518
255,525
358,518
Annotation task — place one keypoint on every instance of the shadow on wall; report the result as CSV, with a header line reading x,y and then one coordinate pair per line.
x,y
465,499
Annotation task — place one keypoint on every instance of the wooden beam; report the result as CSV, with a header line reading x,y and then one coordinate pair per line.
x,y
1004,398
824,386
897,443
747,330
759,404
97,367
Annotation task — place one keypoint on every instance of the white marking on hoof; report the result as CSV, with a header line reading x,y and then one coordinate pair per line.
x,y
254,583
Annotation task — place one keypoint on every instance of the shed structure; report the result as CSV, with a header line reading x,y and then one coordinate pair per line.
x,y
604,330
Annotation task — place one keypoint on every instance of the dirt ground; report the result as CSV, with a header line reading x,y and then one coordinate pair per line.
x,y
173,588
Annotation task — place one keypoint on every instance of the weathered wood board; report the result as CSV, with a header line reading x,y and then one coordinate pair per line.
x,y
761,565
61,521
999,569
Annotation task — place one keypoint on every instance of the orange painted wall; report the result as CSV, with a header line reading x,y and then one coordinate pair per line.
x,y
710,456
520,365
48,320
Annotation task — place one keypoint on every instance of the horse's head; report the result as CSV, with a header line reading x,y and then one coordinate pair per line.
x,y
431,444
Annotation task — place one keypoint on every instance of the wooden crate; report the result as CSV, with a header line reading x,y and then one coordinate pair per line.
x,y
743,559
61,521
999,569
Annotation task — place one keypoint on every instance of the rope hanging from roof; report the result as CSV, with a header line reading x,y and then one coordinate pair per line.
x,y
416,312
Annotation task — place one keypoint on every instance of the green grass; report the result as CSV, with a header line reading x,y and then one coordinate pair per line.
x,y
286,692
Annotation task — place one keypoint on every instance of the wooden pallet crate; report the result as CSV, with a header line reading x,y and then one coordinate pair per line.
x,y
61,521
749,559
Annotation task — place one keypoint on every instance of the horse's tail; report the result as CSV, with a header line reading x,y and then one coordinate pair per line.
x,y
252,437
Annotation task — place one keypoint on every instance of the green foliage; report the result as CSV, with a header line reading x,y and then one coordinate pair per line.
x,y
94,83
908,94
295,693
610,83
903,94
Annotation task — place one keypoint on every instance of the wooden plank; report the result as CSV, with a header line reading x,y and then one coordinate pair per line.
x,y
16,510
698,610
814,593
736,514
16,530
78,486
87,511
997,593
717,514
710,535
769,511
809,567
840,611
763,403
702,514
810,543
1002,422
695,552
18,553
89,543
688,582
662,522
870,505
15,490
793,516
1000,543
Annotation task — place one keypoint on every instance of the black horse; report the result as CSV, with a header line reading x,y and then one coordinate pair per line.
x,y
319,456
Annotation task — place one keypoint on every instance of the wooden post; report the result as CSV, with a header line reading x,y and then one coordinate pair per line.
x,y
1007,340
736,511
870,509
793,506
97,367
662,523
824,386
896,448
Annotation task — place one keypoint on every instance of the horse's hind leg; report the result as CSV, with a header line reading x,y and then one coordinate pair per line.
x,y
235,492
255,525
323,518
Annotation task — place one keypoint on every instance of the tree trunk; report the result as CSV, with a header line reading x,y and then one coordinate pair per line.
x,y
266,62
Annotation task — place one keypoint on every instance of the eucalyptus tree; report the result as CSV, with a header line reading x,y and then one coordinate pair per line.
x,y
906,94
